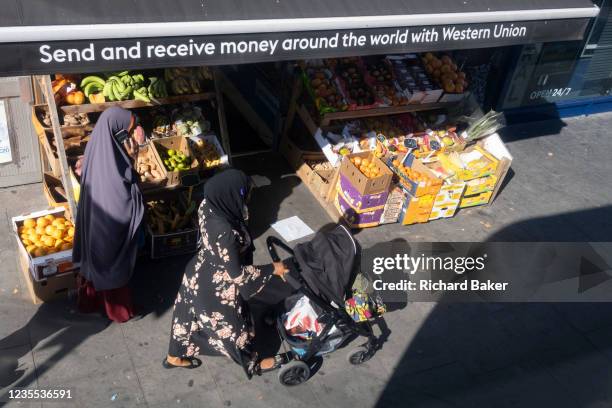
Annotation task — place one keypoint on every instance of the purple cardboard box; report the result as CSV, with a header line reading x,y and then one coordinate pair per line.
x,y
356,200
355,219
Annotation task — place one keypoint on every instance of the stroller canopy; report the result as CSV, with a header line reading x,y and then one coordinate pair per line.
x,y
327,263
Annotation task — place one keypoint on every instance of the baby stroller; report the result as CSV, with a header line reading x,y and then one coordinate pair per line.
x,y
323,271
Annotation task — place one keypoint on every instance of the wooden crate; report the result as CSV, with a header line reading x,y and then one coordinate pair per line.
x,y
50,182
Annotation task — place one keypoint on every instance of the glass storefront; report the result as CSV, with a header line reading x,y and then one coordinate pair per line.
x,y
564,72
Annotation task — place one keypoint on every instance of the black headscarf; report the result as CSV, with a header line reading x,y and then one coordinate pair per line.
x,y
226,194
110,208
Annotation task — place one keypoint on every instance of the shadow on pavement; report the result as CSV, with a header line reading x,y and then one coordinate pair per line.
x,y
594,225
527,124
511,354
54,325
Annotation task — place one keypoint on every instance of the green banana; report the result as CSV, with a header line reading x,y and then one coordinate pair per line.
x,y
118,83
115,92
138,78
92,87
107,90
141,97
127,94
91,80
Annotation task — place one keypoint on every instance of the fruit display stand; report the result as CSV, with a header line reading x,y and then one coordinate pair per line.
x,y
413,201
315,123
52,134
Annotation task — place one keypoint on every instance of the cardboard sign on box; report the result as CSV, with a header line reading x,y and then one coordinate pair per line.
x,y
362,184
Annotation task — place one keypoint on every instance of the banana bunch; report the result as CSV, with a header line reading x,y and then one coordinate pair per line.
x,y
183,81
203,73
157,88
169,217
171,74
92,84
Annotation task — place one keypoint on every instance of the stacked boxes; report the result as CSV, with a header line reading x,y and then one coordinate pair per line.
x,y
360,199
421,186
416,209
478,172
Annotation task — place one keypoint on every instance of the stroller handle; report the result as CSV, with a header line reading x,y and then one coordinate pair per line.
x,y
272,243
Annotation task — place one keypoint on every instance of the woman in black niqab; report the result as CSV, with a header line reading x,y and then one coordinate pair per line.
x,y
109,216
209,312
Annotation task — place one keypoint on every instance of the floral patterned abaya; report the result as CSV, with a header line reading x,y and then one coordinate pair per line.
x,y
209,311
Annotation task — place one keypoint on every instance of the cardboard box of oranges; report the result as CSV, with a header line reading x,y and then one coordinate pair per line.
x,y
366,173
45,239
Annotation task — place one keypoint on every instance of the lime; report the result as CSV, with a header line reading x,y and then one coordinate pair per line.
x,y
171,152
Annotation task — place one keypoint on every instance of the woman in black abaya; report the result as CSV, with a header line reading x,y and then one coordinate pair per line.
x,y
210,314
109,215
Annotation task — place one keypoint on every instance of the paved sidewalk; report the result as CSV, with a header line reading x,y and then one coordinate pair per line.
x,y
437,355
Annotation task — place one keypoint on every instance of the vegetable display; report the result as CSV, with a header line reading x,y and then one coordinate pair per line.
x,y
147,169
46,235
175,160
206,153
167,217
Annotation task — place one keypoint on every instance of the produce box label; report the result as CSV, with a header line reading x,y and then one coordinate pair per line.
x,y
358,201
355,219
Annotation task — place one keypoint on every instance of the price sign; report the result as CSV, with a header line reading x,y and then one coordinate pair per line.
x,y
6,154
411,143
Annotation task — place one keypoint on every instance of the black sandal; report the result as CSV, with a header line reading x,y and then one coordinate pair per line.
x,y
193,363
279,360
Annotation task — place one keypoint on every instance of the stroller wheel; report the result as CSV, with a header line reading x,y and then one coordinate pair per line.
x,y
294,373
358,355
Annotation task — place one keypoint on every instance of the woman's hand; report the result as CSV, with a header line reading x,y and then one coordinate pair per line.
x,y
131,147
280,269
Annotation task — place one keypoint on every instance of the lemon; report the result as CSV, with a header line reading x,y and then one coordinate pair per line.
x,y
43,222
39,251
29,223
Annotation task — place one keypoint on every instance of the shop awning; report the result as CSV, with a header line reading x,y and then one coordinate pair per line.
x,y
38,36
